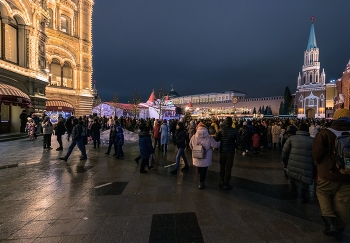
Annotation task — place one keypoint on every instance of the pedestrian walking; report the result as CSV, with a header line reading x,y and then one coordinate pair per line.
x,y
77,139
120,143
333,184
180,141
69,126
156,135
95,131
113,138
300,169
203,138
145,145
60,130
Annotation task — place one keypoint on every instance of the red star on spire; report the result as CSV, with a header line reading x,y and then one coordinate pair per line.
x,y
312,19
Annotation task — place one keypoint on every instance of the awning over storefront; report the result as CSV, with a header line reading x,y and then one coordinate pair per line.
x,y
59,105
10,95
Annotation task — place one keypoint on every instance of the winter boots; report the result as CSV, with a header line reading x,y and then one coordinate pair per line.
x,y
331,228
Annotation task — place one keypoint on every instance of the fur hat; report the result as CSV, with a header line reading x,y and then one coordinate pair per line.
x,y
201,124
341,113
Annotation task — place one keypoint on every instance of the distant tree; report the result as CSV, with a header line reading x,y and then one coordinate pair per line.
x,y
254,111
263,110
266,110
99,107
260,110
281,110
269,111
114,103
135,101
288,105
160,102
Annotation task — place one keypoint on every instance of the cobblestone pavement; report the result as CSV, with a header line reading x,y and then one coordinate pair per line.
x,y
103,199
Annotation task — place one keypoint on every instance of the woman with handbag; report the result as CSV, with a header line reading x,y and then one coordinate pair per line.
x,y
201,144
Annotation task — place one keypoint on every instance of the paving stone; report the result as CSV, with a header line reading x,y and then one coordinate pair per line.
x,y
46,200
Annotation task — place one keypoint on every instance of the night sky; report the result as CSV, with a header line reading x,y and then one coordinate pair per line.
x,y
201,46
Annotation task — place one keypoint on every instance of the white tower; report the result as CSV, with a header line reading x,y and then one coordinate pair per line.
x,y
311,92
311,68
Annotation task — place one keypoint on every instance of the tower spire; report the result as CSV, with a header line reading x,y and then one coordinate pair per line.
x,y
312,37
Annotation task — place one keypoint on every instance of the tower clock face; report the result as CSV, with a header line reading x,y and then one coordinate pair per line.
x,y
234,100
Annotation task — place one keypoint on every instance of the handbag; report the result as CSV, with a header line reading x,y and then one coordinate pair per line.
x,y
198,151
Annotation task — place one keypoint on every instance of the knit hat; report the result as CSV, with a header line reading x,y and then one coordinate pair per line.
x,y
245,123
341,113
304,127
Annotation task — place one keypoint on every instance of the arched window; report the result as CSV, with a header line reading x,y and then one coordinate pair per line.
x,y
11,42
50,23
56,73
65,24
67,75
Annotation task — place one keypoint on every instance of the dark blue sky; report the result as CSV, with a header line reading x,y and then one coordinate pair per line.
x,y
199,46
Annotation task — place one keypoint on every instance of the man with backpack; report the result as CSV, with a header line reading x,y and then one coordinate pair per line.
x,y
333,185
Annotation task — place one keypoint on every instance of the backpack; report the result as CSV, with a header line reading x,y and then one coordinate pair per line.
x,y
342,148
211,130
198,151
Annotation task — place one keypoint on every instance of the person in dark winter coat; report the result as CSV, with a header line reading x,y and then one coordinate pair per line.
x,y
23,117
60,130
113,138
77,139
69,126
95,131
146,149
333,184
180,141
245,137
227,135
297,150
120,134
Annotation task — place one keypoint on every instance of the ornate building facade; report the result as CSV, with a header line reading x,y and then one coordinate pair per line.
x,y
22,60
69,55
310,98
343,89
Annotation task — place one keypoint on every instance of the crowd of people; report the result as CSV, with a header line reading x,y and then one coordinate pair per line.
x,y
307,147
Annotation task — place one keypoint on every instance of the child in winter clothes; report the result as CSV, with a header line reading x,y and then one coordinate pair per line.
x,y
256,144
30,128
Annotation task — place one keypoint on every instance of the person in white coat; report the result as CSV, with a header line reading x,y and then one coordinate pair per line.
x,y
203,137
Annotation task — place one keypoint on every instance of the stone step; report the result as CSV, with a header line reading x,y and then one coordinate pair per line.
x,y
13,136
